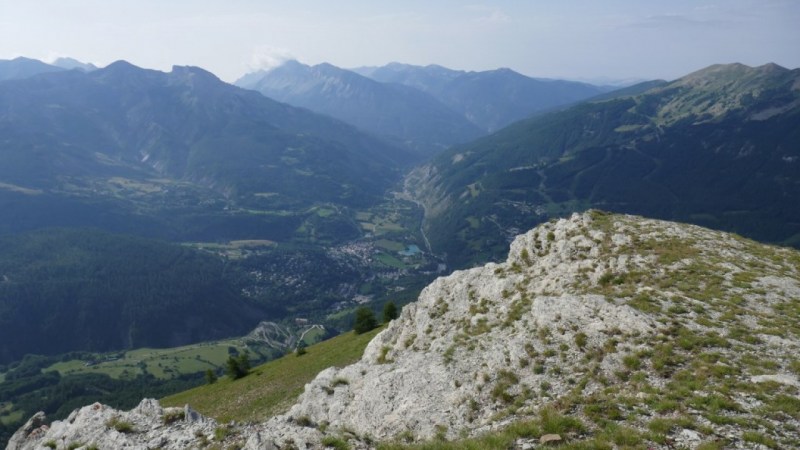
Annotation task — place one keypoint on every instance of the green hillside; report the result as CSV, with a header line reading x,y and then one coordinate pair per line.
x,y
273,387
718,148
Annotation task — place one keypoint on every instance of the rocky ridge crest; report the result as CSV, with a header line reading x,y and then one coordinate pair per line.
x,y
641,332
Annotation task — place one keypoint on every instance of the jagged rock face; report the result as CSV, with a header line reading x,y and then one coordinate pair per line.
x,y
99,426
674,330
466,349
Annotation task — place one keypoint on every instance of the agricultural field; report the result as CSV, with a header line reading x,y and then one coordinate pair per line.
x,y
161,363
7,413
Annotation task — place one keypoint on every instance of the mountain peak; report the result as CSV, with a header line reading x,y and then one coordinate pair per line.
x,y
121,66
71,63
193,71
724,88
771,68
22,67
731,73
23,59
290,64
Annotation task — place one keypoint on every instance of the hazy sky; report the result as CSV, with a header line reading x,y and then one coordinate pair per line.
x,y
578,39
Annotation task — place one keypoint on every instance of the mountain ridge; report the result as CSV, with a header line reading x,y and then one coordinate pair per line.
x,y
178,134
719,155
395,112
604,329
21,67
490,99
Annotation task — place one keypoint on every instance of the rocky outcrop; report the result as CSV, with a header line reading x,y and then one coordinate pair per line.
x,y
674,334
99,426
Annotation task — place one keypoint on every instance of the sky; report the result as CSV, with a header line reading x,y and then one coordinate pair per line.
x,y
573,39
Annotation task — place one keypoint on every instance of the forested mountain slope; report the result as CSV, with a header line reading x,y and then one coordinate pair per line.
x,y
719,147
64,290
174,153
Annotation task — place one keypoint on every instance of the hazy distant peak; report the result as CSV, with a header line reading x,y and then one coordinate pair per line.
x,y
502,72
22,59
772,67
327,66
437,67
394,65
22,67
717,71
71,63
120,65
731,81
188,71
291,64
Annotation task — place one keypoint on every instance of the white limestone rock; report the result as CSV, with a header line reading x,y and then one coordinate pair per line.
x,y
578,304
94,425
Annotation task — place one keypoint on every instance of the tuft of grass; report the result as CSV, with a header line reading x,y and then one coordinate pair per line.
x,y
335,442
632,362
220,433
758,438
556,423
304,421
276,384
505,380
382,358
714,445
173,416
783,404
121,426
581,339
339,381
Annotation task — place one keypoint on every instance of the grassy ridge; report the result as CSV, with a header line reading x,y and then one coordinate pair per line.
x,y
273,387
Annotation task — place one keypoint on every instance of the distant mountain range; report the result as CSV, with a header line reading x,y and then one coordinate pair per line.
x,y
18,68
264,210
719,147
398,113
424,108
128,149
71,63
490,99
185,157
179,156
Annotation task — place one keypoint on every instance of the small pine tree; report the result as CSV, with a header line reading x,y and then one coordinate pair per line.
x,y
238,367
244,362
232,368
389,312
211,377
301,348
365,320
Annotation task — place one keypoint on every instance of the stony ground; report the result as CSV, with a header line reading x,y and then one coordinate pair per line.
x,y
633,333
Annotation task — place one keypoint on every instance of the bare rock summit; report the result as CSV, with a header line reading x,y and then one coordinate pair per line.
x,y
605,329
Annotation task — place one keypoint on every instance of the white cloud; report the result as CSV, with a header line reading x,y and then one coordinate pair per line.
x,y
266,57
